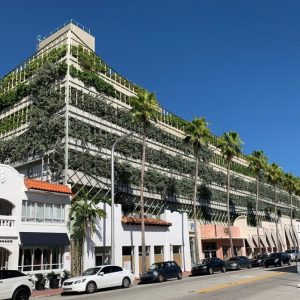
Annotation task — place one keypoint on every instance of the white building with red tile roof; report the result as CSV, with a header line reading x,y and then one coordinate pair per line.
x,y
33,224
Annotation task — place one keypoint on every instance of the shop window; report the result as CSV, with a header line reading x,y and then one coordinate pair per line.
x,y
127,251
40,258
147,250
158,250
176,249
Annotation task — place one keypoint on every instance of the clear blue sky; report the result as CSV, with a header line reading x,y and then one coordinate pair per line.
x,y
234,62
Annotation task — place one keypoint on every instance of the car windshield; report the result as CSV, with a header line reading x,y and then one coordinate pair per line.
x,y
91,271
156,266
203,261
290,251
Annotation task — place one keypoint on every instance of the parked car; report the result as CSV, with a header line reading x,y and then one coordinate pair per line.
x,y
292,253
97,278
238,263
209,266
14,285
258,260
277,259
159,272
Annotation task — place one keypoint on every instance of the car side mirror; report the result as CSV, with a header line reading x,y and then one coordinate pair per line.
x,y
101,274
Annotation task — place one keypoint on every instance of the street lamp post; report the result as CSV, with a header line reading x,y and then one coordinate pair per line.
x,y
120,139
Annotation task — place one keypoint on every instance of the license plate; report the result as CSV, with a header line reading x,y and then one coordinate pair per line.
x,y
67,289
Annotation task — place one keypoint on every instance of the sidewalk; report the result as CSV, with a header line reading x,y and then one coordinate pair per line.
x,y
55,292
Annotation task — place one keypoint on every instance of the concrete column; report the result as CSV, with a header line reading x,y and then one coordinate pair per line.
x,y
136,261
243,250
151,254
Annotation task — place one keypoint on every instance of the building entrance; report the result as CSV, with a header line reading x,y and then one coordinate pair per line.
x,y
4,256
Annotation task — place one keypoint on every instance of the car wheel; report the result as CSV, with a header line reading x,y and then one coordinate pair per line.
x,y
91,287
179,275
289,262
249,267
210,271
223,269
160,278
126,283
239,267
21,294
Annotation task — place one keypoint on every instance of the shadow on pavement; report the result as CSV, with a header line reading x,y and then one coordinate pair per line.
x,y
287,269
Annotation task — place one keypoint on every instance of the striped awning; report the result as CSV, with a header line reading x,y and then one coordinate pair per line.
x,y
250,242
288,234
264,241
296,234
270,239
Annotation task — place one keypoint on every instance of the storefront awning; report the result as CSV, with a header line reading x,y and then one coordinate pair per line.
x,y
250,242
255,238
294,239
274,238
264,241
270,240
44,239
297,236
287,233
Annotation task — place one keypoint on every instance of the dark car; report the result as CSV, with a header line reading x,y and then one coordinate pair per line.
x,y
277,259
159,272
209,266
238,263
258,260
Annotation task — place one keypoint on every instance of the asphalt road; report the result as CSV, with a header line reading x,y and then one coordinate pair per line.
x,y
254,284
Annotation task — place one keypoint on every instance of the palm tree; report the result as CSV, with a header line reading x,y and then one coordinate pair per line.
x,y
275,176
83,214
230,145
145,109
198,135
291,184
257,164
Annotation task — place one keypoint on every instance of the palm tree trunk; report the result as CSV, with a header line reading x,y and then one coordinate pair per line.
x,y
228,208
293,236
276,223
256,212
195,211
144,268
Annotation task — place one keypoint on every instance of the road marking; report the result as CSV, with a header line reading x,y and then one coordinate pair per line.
x,y
237,283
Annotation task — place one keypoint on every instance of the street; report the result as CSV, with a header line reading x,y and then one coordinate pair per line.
x,y
254,284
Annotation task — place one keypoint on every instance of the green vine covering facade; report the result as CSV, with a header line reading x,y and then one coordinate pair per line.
x,y
73,87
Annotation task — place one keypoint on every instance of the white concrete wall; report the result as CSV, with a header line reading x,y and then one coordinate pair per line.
x,y
130,235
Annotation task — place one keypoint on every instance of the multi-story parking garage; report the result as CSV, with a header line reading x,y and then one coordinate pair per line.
x,y
59,123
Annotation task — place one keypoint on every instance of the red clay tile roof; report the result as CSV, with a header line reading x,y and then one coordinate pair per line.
x,y
148,221
33,184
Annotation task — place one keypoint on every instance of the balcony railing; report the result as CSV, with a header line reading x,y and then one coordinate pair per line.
x,y
7,221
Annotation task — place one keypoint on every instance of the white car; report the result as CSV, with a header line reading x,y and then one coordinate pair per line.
x,y
14,285
98,278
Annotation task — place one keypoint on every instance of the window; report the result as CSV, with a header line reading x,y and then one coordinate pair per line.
x,y
116,269
106,270
147,250
127,251
40,258
42,212
158,250
176,249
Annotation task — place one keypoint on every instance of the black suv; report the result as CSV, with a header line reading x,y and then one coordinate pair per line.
x,y
162,271
277,259
238,262
258,260
209,266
